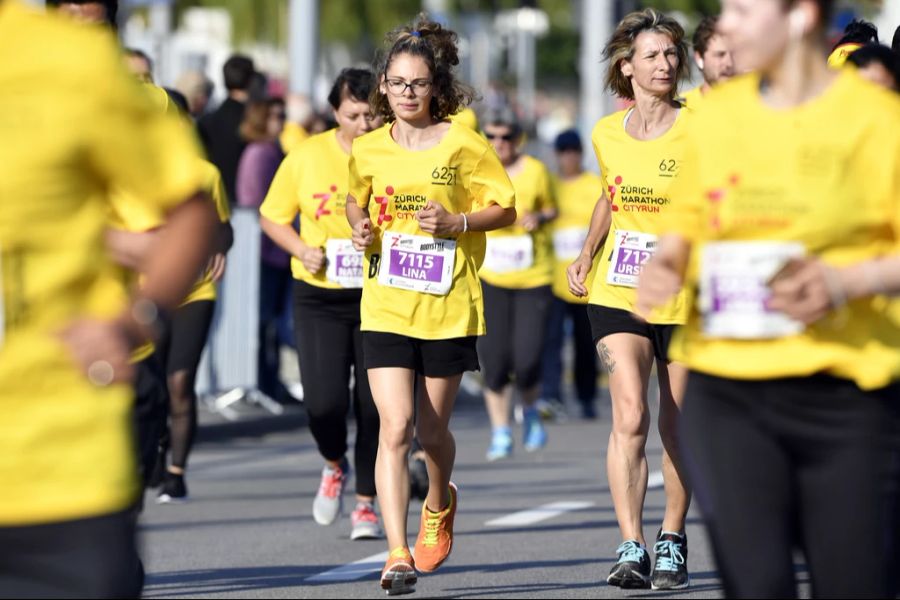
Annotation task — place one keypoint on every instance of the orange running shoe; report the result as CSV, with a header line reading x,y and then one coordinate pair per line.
x,y
436,535
399,573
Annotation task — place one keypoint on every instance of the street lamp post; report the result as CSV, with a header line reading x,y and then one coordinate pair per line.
x,y
303,44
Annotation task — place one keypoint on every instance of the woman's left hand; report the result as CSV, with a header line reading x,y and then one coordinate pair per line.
x,y
806,289
434,219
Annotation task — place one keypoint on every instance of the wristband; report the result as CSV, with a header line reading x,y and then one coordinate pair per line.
x,y
465,223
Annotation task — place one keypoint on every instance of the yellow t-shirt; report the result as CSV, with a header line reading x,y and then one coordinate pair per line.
x,y
464,175
534,193
466,117
577,198
638,176
66,448
693,98
205,288
292,136
835,189
312,181
838,57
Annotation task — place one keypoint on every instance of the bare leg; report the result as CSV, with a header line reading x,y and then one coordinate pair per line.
x,y
629,359
499,406
436,402
392,390
672,382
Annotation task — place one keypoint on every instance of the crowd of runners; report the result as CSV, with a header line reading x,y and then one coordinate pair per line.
x,y
741,244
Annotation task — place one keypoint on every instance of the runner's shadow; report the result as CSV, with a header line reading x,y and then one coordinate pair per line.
x,y
584,525
208,582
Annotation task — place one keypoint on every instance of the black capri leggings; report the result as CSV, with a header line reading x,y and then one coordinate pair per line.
x,y
807,463
326,324
516,325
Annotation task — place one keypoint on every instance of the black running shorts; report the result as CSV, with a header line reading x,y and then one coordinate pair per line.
x,y
431,358
607,321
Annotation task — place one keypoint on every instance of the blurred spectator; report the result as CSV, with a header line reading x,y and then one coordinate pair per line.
x,y
263,124
197,88
219,129
895,44
88,11
299,116
139,64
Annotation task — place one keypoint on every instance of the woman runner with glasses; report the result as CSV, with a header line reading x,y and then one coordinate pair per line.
x,y
422,193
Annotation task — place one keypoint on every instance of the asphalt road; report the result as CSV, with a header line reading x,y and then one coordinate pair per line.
x,y
248,530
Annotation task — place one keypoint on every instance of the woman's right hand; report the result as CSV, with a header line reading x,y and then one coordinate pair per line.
x,y
363,236
313,259
577,274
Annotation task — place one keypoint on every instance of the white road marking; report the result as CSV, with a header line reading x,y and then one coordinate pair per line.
x,y
655,480
352,571
536,515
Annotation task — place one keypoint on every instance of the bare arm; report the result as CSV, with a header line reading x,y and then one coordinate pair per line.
x,y
128,249
578,271
287,239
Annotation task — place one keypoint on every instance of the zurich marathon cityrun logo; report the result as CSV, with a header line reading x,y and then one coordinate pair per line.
x,y
635,198
383,202
324,199
405,206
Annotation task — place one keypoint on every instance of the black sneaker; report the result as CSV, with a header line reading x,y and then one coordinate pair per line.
x,y
173,490
670,562
632,571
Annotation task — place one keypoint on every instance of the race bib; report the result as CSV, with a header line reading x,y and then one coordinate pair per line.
x,y
734,289
631,251
509,253
417,263
567,243
344,264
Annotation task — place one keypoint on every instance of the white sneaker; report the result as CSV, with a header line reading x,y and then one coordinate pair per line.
x,y
365,523
329,502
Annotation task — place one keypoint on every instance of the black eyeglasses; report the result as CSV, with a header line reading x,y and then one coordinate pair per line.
x,y
506,137
398,87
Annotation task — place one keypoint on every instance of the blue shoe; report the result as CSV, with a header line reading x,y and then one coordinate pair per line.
x,y
632,570
501,444
535,434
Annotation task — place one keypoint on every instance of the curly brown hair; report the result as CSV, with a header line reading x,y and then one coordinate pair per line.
x,y
621,48
437,47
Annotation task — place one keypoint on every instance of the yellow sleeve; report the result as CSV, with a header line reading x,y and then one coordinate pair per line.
x,y
548,191
360,185
687,196
138,148
600,164
490,184
281,204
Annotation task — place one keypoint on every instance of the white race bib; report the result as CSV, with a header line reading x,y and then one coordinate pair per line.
x,y
631,251
417,263
509,253
567,243
344,264
734,289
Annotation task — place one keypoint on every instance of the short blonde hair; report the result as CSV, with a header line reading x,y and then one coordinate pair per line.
x,y
621,47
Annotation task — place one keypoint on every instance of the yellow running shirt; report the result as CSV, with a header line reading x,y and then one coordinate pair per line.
x,y
74,125
205,288
517,259
464,175
577,198
637,176
830,181
312,181
693,98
